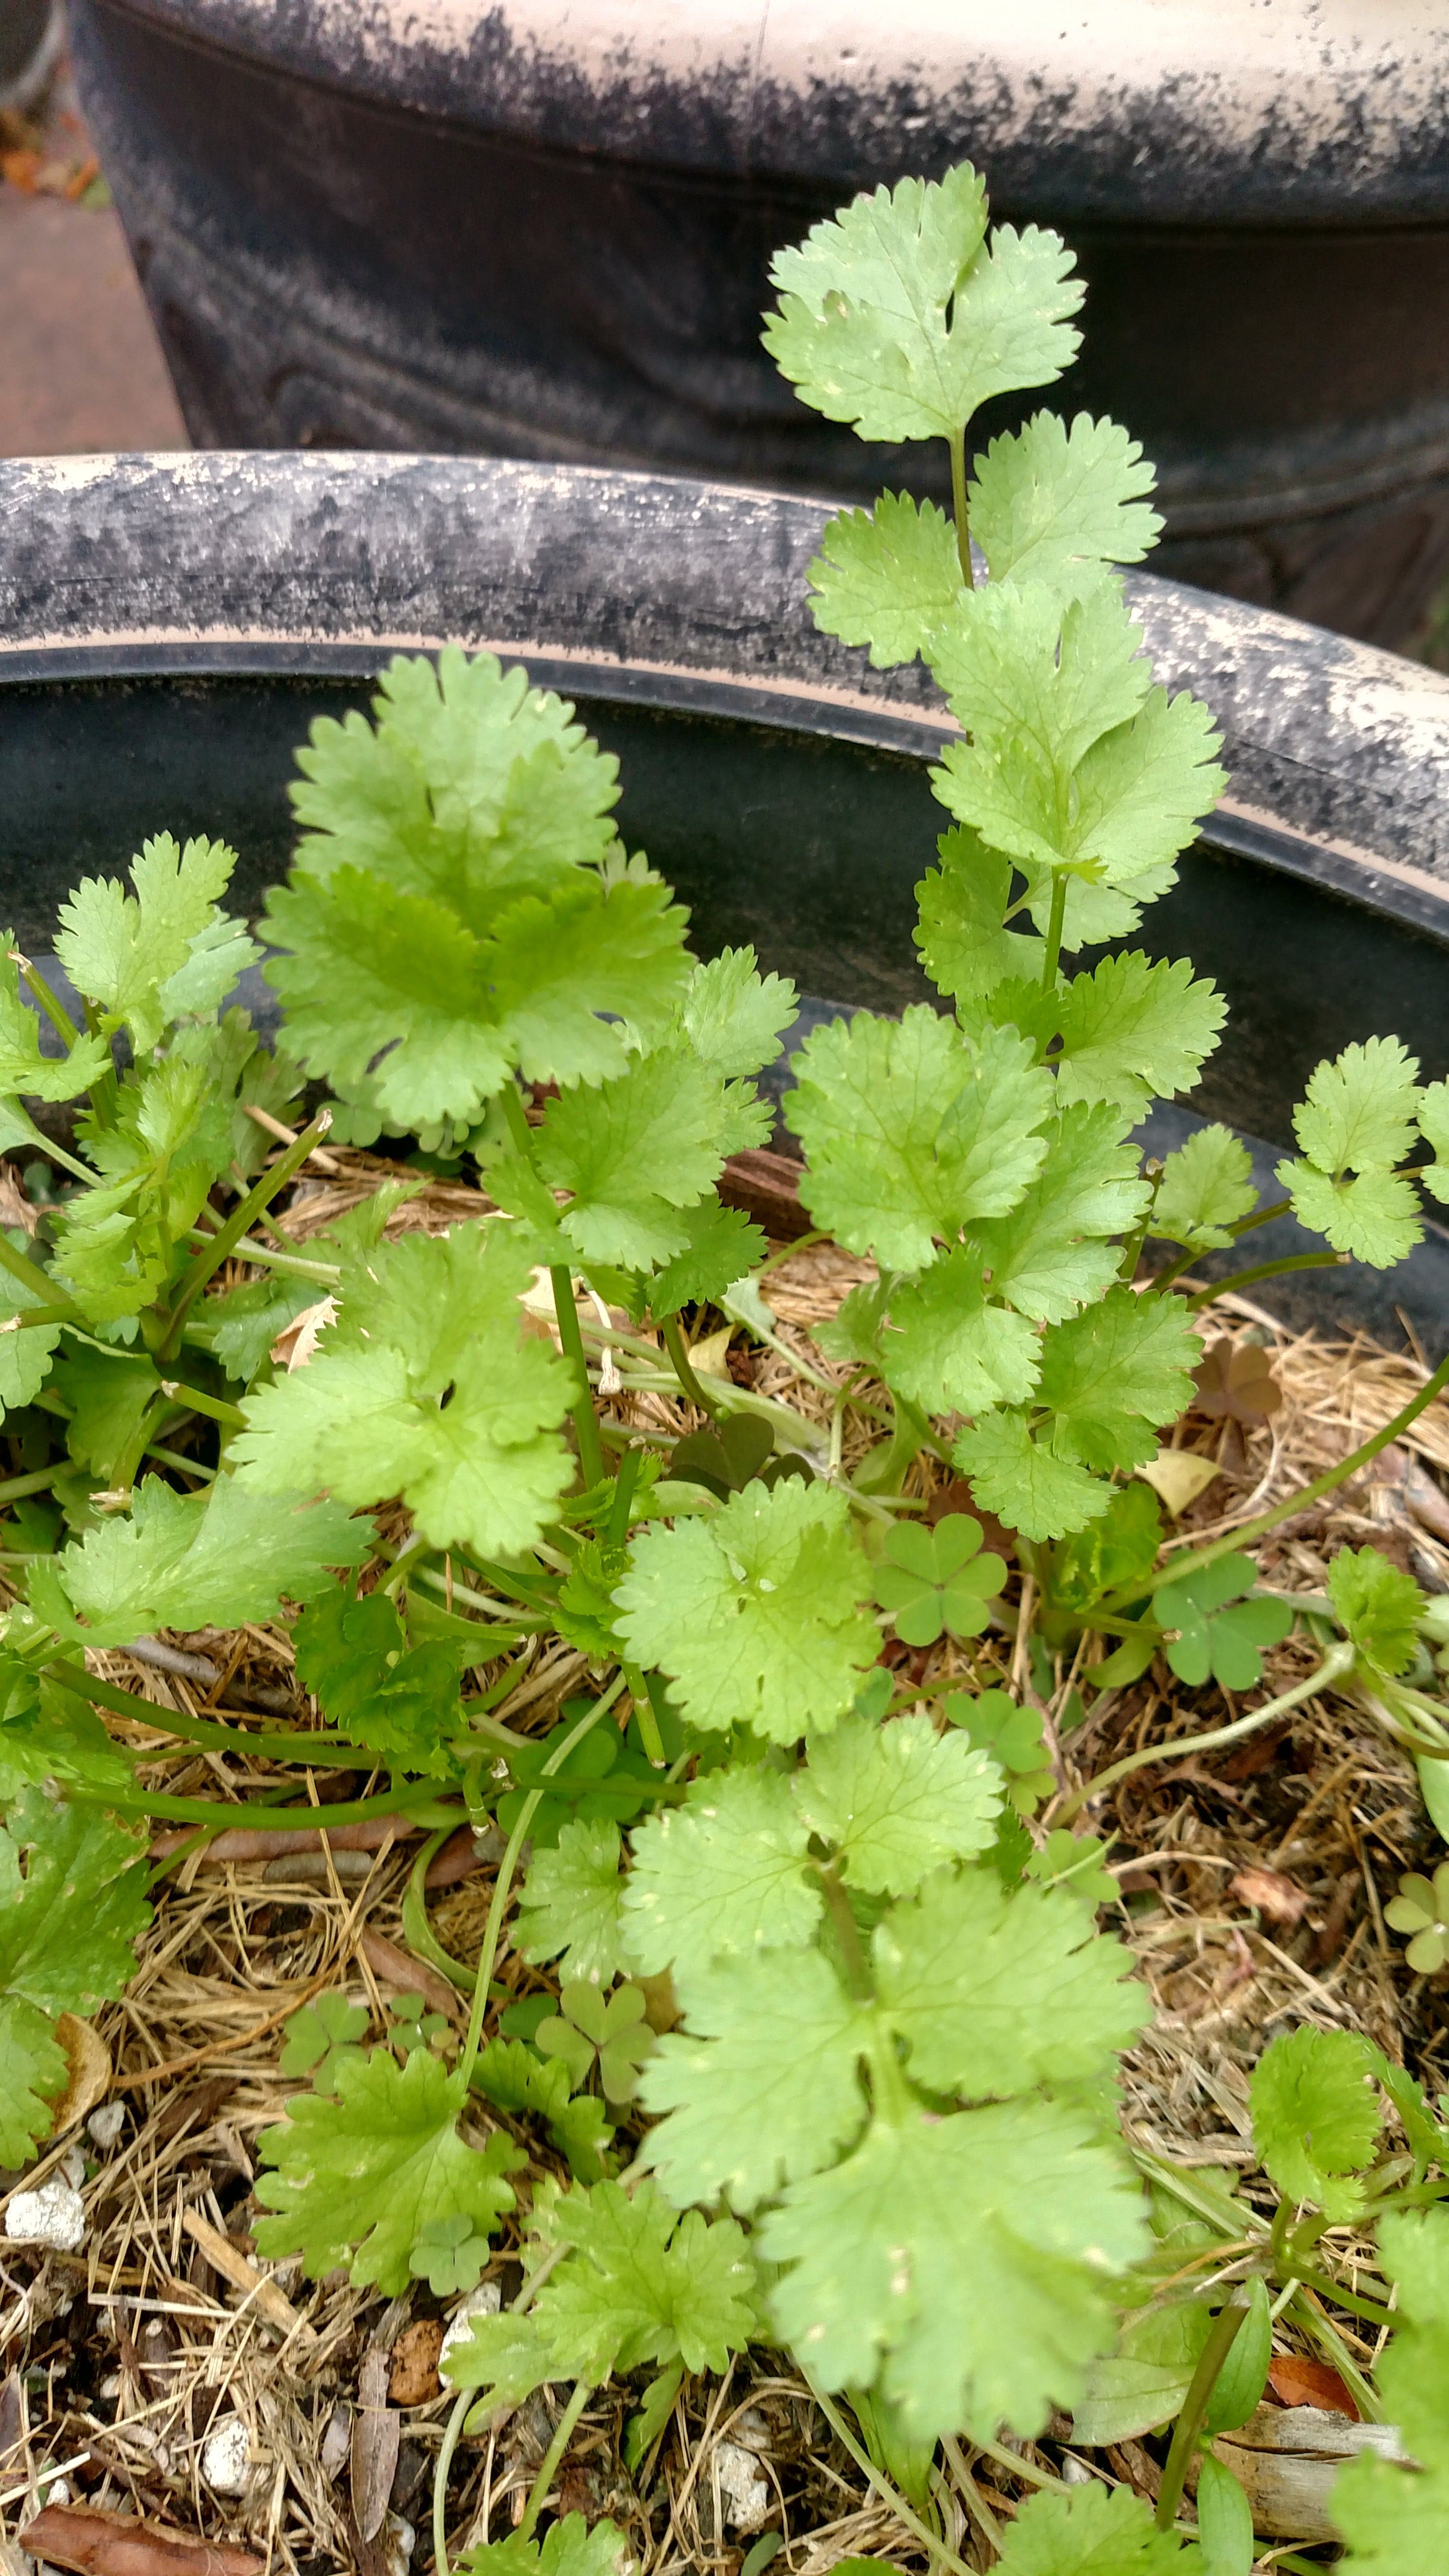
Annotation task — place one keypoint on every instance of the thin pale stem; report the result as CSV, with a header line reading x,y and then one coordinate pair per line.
x,y
563,2433
957,445
446,2448
215,1407
494,1927
1177,1567
591,1456
1263,1270
31,1276
1055,924
685,1370
326,1273
229,1235
931,2541
1337,1662
1221,2338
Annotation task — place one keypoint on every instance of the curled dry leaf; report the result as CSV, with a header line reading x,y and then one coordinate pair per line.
x,y
1298,2380
89,2062
1236,1380
296,1344
1273,1894
98,2543
1286,2458
1178,1476
406,1975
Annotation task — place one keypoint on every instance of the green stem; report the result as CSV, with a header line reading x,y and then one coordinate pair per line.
x,y
227,1236
444,2463
50,1003
415,1924
956,442
220,1815
31,1276
322,1753
591,1456
1260,1216
1215,2351
884,1470
1337,1661
1055,921
1178,1566
626,1477
930,2541
214,1407
847,1931
493,1928
1262,1270
652,1740
563,2433
326,1273
684,1368
16,1488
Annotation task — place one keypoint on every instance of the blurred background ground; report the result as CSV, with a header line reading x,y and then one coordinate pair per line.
x,y
80,368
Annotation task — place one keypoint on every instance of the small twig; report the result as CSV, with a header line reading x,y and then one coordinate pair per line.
x,y
319,1155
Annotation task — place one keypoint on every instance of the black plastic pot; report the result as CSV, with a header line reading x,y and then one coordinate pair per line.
x,y
170,626
543,229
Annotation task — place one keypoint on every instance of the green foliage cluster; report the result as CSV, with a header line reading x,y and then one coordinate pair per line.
x,y
852,2012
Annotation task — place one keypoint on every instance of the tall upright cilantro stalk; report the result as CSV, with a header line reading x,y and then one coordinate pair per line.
x,y
891,2076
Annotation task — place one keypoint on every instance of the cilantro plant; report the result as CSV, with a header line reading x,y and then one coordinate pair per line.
x,y
808,2035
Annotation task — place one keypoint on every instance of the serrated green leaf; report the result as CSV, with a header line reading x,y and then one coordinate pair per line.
x,y
910,1131
105,1394
721,1246
886,577
1119,1550
1372,1216
425,1386
1113,1373
762,2085
734,1017
1132,1031
1358,1112
965,945
754,1616
49,1734
1316,2117
1091,2531
69,1921
400,1701
898,1801
213,1559
34,2072
171,1139
977,2280
570,2547
948,1349
1024,1483
1052,1253
1055,505
1026,672
22,1066
1378,1607
515,2078
1392,2515
643,2285
1432,1112
146,956
951,1971
1205,1189
632,1154
556,964
25,1357
571,1908
726,1874
861,328
240,1326
355,2177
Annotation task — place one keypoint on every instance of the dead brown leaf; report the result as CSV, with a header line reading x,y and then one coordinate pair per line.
x,y
376,2439
86,2537
413,2380
1273,1894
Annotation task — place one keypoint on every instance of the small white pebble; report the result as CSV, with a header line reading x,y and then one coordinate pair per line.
x,y
407,2538
226,2457
111,2384
745,2496
58,2491
73,2166
336,2442
106,2124
1075,2472
484,2302
51,2216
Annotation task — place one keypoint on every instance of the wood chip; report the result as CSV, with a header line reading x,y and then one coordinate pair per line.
x,y
86,2537
376,2440
232,2264
413,2379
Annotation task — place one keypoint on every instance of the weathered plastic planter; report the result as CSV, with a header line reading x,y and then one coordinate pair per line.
x,y
170,626
543,229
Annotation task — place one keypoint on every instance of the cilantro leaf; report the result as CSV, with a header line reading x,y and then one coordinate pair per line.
x,y
147,957
1051,1254
1378,1607
516,2078
725,1874
1022,668
733,1016
948,1349
22,1066
965,948
357,2175
1056,505
1432,1112
861,328
1091,2531
1220,1630
25,1357
898,1801
1353,1125
721,1245
170,1140
1024,1482
754,1615
400,1701
570,2547
69,1921
886,577
1206,1187
591,948
1391,2514
978,2283
632,1154
425,1386
1132,1031
762,2084
214,1559
240,1325
952,1968
643,2285
909,1130
571,1907
932,1580
1112,1373
51,1734
1316,2117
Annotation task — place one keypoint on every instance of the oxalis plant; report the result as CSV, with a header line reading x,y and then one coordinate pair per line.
x,y
830,2064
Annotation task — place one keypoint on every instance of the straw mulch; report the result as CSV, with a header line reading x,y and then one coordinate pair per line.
x,y
1252,1893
